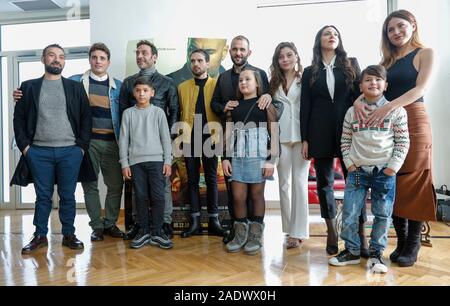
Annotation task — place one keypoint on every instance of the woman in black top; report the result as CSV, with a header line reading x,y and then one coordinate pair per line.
x,y
409,66
329,87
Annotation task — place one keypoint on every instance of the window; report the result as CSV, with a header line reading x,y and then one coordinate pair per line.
x,y
30,36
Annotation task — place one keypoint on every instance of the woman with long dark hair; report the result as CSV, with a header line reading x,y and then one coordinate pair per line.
x,y
329,87
409,65
285,86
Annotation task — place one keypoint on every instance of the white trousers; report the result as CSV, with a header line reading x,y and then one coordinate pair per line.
x,y
294,201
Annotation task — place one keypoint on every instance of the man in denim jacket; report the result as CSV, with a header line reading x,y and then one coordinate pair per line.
x,y
103,91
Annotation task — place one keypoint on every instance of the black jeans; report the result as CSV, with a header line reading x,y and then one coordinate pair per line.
x,y
149,183
325,190
210,172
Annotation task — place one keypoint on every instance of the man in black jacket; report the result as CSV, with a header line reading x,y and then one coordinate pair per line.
x,y
166,97
52,126
224,98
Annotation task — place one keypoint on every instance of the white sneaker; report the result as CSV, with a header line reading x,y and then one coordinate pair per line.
x,y
376,264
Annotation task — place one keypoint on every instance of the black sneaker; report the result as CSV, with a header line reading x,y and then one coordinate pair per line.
x,y
161,240
167,228
345,258
376,263
140,240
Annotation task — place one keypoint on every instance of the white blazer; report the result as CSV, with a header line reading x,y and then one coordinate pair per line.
x,y
290,119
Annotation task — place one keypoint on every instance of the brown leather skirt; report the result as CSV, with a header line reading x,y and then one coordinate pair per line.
x,y
415,194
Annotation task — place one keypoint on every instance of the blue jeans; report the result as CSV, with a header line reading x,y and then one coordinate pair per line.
x,y
50,166
382,198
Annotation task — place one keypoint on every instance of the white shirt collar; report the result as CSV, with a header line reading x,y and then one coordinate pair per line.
x,y
98,78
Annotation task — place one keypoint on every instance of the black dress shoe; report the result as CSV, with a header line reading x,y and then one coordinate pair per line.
x,y
167,228
97,235
113,231
37,242
72,242
132,232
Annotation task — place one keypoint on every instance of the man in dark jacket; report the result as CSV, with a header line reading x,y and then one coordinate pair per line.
x,y
166,97
52,126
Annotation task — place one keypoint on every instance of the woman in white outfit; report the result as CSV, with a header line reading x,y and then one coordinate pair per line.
x,y
285,86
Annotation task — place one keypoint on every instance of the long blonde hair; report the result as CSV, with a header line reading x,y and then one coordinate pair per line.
x,y
389,51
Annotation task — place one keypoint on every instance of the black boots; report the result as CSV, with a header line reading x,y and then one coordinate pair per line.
x,y
332,237
401,229
215,228
408,256
194,228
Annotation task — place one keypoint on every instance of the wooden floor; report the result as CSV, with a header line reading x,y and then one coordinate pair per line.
x,y
200,260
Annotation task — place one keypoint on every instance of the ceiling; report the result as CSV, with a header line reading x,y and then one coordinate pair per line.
x,y
7,6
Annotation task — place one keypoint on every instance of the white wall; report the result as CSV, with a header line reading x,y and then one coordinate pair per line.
x,y
266,27
115,22
434,26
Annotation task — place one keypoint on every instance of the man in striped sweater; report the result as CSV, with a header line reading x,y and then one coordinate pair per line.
x,y
372,155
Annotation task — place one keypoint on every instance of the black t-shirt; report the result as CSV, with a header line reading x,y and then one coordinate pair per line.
x,y
240,112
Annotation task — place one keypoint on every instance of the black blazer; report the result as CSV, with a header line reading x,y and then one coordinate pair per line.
x,y
25,120
321,116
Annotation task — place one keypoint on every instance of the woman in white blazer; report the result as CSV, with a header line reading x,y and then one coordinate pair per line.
x,y
285,86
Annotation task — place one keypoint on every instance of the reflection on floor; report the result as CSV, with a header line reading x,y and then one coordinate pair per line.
x,y
200,260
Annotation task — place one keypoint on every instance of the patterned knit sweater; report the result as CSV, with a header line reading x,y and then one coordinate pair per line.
x,y
385,144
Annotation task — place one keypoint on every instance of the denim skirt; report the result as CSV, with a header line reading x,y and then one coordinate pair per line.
x,y
248,170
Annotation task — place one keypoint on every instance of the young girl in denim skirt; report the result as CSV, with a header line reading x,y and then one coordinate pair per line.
x,y
251,151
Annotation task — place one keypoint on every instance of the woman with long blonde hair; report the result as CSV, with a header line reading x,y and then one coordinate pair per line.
x,y
409,66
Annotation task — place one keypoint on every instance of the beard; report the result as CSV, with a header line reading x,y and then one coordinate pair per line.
x,y
53,69
198,72
241,63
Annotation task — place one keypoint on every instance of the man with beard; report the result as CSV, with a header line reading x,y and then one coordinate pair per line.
x,y
103,92
52,126
217,50
224,98
165,97
195,102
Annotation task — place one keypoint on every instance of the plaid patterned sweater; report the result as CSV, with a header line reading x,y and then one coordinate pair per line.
x,y
385,144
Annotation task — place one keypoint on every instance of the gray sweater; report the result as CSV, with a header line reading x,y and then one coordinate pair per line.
x,y
144,136
53,128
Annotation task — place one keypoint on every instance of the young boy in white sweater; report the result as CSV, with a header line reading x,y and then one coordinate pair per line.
x,y
372,155
145,155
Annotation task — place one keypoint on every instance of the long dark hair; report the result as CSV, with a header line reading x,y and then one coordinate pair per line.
x,y
277,76
342,60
